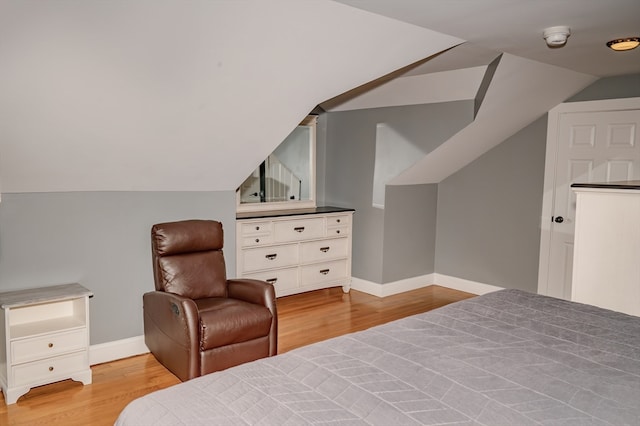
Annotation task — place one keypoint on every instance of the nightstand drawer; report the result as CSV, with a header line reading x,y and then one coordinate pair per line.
x,y
323,272
47,346
324,249
256,259
298,230
49,370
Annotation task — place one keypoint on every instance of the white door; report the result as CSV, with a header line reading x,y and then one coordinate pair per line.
x,y
587,142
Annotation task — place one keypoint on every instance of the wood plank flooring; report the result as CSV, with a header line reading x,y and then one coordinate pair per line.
x,y
303,319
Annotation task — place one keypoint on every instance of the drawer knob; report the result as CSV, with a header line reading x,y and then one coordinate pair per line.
x,y
257,240
324,271
299,228
337,231
338,220
324,249
50,368
257,228
50,345
272,280
271,256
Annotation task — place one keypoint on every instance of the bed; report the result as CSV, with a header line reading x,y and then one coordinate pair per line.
x,y
504,358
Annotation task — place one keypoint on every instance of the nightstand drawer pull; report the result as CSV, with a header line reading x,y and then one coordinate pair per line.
x,y
324,271
272,280
299,228
324,249
271,256
50,368
50,345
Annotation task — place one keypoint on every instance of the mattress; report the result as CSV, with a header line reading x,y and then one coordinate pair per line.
x,y
504,358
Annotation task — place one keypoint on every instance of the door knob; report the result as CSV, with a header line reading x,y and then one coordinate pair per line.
x,y
558,219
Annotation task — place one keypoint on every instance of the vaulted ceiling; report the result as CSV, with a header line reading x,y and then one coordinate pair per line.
x,y
167,95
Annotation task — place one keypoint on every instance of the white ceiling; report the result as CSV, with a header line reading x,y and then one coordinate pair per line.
x,y
167,95
516,26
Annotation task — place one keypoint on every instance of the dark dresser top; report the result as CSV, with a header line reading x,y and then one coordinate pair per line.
x,y
628,184
292,212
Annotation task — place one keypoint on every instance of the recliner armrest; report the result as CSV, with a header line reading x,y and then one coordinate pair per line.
x,y
253,291
260,293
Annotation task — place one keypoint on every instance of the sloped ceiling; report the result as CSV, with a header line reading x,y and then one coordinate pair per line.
x,y
165,95
520,91
168,95
516,28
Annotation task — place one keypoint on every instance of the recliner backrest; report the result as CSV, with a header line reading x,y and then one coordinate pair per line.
x,y
188,259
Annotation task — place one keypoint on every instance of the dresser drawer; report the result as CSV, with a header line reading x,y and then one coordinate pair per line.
x,y
321,250
255,259
51,369
328,271
339,220
281,279
337,231
47,346
257,240
298,230
255,228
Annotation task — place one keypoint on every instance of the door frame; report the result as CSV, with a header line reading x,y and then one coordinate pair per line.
x,y
549,188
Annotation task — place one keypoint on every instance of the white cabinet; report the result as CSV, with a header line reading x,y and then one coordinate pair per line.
x,y
296,251
606,262
45,338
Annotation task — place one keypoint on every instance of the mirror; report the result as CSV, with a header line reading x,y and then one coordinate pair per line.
x,y
286,178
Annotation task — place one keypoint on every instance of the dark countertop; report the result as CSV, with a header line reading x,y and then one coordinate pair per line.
x,y
292,212
628,184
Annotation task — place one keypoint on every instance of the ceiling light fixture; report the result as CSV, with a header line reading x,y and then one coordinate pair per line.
x,y
556,36
623,44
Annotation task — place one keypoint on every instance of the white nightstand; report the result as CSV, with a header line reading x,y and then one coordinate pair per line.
x,y
44,333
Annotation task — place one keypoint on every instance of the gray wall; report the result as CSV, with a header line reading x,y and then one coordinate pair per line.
x,y
626,86
349,169
489,213
487,224
409,244
488,227
102,241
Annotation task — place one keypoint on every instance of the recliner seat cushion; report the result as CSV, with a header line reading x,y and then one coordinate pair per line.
x,y
226,321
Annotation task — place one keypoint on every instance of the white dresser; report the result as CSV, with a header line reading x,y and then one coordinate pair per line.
x,y
296,250
606,257
45,338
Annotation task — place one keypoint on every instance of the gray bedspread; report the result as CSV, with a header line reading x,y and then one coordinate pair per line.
x,y
505,358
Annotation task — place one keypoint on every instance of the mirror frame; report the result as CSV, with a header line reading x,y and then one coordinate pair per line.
x,y
311,121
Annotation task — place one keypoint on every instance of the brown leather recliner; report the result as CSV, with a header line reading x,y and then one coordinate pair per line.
x,y
197,321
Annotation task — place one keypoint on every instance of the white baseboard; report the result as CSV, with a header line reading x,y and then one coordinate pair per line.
x,y
396,287
464,285
119,349
388,289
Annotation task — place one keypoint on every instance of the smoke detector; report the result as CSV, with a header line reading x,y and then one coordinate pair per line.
x,y
556,36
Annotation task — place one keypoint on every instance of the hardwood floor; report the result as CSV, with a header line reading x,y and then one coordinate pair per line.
x,y
303,319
